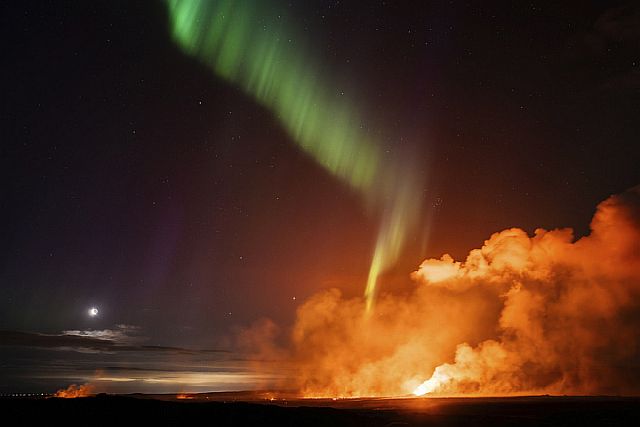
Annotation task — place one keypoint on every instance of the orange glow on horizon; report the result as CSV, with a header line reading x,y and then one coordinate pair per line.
x,y
184,396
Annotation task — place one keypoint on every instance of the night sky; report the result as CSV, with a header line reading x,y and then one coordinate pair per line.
x,y
136,180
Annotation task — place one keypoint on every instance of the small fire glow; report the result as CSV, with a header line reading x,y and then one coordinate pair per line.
x,y
184,396
73,391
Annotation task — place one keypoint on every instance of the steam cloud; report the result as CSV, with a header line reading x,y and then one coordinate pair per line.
x,y
521,315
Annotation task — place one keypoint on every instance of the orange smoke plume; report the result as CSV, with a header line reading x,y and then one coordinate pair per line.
x,y
73,391
521,315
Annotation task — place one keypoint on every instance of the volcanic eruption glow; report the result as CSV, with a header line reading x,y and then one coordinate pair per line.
x,y
436,380
521,315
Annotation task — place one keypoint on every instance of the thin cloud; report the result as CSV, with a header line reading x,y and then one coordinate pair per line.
x,y
122,334
103,341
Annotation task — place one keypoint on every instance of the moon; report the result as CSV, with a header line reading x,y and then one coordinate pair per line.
x,y
93,312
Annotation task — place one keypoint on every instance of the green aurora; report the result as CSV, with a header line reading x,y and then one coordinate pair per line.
x,y
254,47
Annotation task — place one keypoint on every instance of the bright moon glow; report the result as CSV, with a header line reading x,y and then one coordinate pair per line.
x,y
93,312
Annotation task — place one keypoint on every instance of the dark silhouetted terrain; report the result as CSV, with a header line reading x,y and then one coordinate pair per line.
x,y
223,410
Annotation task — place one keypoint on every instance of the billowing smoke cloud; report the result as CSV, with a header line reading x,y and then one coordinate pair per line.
x,y
521,315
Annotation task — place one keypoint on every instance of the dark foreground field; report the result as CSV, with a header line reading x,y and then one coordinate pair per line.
x,y
230,410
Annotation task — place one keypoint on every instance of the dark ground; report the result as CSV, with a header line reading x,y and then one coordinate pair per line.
x,y
224,410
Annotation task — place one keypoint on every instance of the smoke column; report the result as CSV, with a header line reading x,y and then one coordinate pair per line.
x,y
253,45
523,314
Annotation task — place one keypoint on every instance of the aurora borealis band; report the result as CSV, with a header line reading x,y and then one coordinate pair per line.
x,y
253,46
